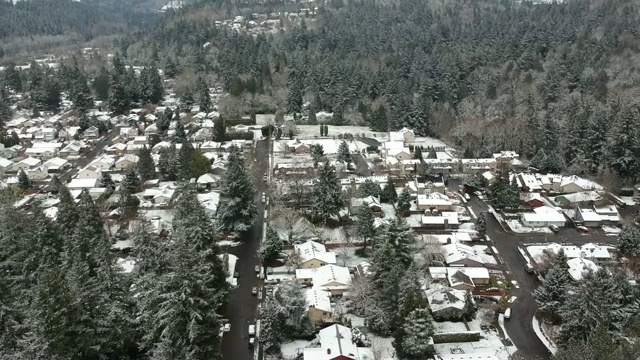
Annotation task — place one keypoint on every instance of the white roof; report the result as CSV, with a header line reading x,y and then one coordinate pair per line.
x,y
579,266
5,163
584,251
428,200
82,183
30,161
312,250
336,341
330,277
55,162
319,299
47,145
129,157
450,216
544,214
589,215
457,252
396,136
207,179
442,297
583,183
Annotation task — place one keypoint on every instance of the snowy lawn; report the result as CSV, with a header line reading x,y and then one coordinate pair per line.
x,y
487,259
517,227
490,346
293,348
571,213
383,344
158,214
346,256
332,236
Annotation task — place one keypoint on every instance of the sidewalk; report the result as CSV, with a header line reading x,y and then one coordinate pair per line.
x,y
541,335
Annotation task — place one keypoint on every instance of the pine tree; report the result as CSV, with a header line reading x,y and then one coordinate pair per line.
x,y
155,86
400,236
271,247
389,194
67,211
131,182
629,241
185,159
552,295
204,99
145,166
418,329
167,163
470,310
312,119
179,135
344,154
237,209
170,68
317,154
107,182
370,188
326,196
119,101
365,225
417,153
12,77
219,130
187,98
404,202
481,223
200,164
23,181
624,148
101,84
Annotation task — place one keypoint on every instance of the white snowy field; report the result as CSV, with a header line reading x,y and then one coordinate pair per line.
x,y
517,227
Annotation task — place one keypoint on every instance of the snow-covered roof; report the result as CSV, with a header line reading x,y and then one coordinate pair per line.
x,y
311,250
319,299
55,162
581,182
331,277
335,342
579,266
543,214
589,215
207,179
442,297
432,200
82,183
29,161
457,252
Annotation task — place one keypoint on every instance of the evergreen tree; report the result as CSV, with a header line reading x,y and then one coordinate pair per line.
x,y
200,164
470,310
12,77
168,163
128,204
365,225
389,194
271,247
131,182
404,202
155,86
118,100
23,181
418,329
552,295
629,241
204,99
219,130
107,182
312,120
145,166
417,153
379,121
101,84
481,223
179,136
370,188
185,160
67,211
326,196
237,209
317,154
624,148
400,236
344,154
170,69
80,95
187,98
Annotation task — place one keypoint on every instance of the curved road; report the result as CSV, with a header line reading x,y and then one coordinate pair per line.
x,y
241,308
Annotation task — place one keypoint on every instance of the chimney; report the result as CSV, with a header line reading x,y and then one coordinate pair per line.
x,y
446,223
448,239
328,351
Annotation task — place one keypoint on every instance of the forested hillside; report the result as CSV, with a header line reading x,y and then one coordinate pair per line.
x,y
486,75
34,23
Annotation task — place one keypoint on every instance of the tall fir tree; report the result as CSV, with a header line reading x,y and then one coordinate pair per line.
x,y
237,209
326,197
145,166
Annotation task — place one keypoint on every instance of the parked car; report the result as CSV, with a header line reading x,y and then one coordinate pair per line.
x,y
271,281
507,313
254,290
227,327
265,178
466,196
252,341
252,330
236,274
257,268
554,228
583,229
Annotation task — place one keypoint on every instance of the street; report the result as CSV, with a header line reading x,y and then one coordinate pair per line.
x,y
241,307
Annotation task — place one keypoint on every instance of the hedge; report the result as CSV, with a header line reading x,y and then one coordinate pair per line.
x,y
456,337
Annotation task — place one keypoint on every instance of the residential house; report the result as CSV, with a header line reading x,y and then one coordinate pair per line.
x,y
298,147
117,149
127,162
583,198
445,302
37,173
336,344
26,164
80,184
371,202
588,217
435,201
460,278
543,216
5,165
578,267
164,197
209,201
458,254
91,133
208,180
532,200
151,130
90,172
436,220
210,146
141,140
592,252
332,278
7,153
399,153
319,303
313,255
104,162
75,148
574,184
56,165
128,132
608,214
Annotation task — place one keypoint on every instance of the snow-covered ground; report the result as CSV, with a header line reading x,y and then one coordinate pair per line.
x,y
571,213
311,131
346,256
384,344
228,243
517,227
336,235
293,348
158,214
487,259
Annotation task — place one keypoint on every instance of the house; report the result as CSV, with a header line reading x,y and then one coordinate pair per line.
x,y
528,182
436,220
151,130
128,132
90,172
298,147
331,278
583,198
56,165
588,217
445,302
458,254
5,165
435,201
37,173
26,164
399,153
75,148
79,184
43,153
208,180
319,303
116,149
592,252
460,278
209,201
336,344
574,184
164,196
104,162
543,216
313,255
127,162
371,202
532,200
91,133
579,266
608,214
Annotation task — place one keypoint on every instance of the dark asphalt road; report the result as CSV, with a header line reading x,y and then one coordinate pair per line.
x,y
241,309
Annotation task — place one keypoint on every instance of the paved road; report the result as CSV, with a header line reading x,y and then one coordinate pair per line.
x,y
241,309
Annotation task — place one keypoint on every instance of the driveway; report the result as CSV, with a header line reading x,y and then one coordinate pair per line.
x,y
241,308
